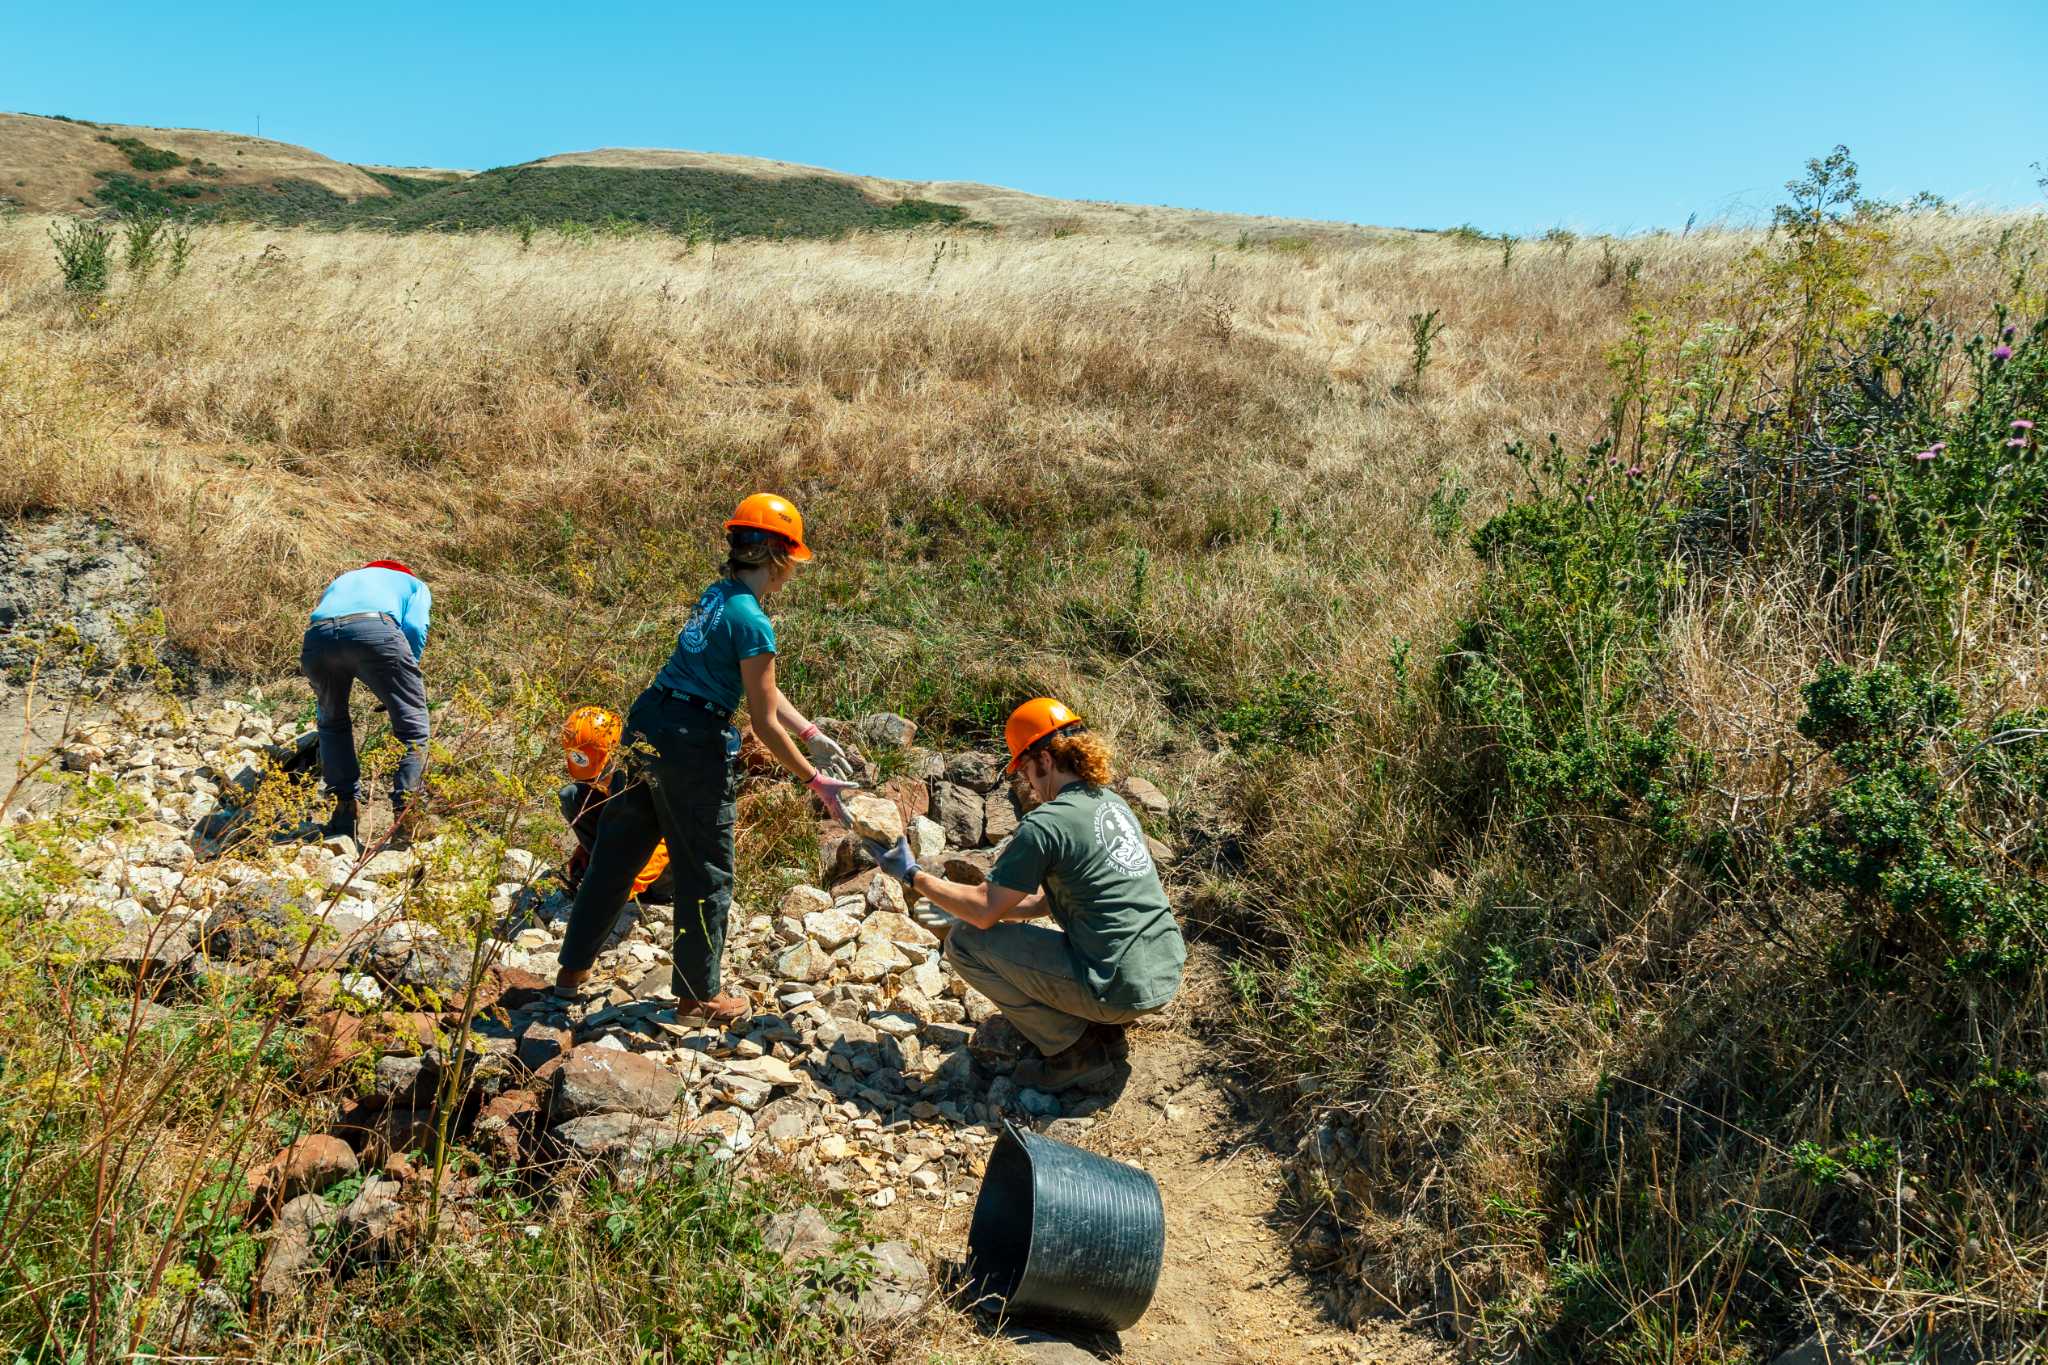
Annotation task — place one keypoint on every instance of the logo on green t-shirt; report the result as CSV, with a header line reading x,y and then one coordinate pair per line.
x,y
1117,835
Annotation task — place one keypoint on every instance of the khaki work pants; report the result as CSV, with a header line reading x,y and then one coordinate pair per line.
x,y
1026,970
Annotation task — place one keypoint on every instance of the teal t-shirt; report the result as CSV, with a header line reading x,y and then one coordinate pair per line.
x,y
1088,851
727,626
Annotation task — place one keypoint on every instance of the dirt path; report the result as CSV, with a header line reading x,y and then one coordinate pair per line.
x,y
1229,1293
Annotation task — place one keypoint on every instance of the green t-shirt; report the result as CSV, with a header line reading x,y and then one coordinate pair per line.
x,y
1088,851
727,626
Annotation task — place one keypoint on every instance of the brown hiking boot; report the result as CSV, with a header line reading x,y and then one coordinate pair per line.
x,y
342,822
719,1009
1089,1062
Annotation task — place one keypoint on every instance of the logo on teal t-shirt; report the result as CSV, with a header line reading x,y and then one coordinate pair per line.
x,y
1121,841
726,626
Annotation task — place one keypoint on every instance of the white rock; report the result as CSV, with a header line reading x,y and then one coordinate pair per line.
x,y
802,961
533,938
517,866
799,901
894,1023
883,1197
832,927
927,839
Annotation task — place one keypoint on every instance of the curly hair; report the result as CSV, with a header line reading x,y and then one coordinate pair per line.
x,y
1084,754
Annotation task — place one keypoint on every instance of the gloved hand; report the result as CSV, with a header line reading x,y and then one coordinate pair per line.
x,y
933,918
828,755
896,861
828,789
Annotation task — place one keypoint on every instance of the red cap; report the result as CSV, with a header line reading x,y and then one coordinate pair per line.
x,y
389,564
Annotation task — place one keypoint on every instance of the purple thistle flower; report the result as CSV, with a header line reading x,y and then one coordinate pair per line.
x,y
2022,424
1635,471
1924,456
2001,353
2010,332
2016,443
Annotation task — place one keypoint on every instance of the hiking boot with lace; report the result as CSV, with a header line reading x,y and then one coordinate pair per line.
x,y
1087,1063
719,1009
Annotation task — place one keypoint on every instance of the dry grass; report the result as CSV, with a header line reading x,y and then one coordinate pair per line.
x,y
1154,478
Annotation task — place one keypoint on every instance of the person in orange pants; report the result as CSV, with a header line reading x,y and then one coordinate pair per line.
x,y
589,737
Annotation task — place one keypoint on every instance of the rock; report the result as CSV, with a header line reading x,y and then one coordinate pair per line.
x,y
894,1023
927,840
885,730
999,818
152,950
873,961
961,813
388,865
1820,1348
841,854
307,1166
294,1243
803,961
789,1119
875,817
1040,1348
899,1283
624,1145
911,795
831,927
883,1197
1148,799
800,1235
263,920
404,1080
799,901
1038,1104
769,1071
968,869
505,1125
893,926
541,1043
597,1080
372,1222
518,866
978,772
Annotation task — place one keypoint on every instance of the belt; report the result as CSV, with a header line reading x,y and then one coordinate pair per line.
x,y
355,616
724,713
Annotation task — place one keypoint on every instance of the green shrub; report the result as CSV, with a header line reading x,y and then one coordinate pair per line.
x,y
142,156
84,255
1553,671
1901,838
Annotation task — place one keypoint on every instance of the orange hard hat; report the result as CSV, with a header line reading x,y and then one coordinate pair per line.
x,y
588,738
768,512
1033,721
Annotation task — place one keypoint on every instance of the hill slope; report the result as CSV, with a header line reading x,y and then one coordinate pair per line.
x,y
58,165
61,165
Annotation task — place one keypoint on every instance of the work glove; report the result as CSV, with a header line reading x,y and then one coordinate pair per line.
x,y
896,861
933,918
828,789
828,755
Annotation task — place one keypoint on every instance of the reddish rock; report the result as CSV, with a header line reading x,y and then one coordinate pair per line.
x,y
332,1040
308,1166
913,797
518,988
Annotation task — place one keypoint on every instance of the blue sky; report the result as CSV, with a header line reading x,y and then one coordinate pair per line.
x,y
1606,116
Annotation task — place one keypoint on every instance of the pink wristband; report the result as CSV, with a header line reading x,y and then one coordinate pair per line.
x,y
809,733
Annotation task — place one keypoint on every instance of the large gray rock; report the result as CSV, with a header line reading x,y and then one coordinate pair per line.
x,y
261,920
961,813
294,1243
981,773
624,1146
600,1080
999,817
886,730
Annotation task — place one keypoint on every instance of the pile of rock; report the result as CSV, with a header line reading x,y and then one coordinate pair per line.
x,y
867,1063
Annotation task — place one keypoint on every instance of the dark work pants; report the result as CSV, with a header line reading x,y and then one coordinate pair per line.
x,y
680,780
373,651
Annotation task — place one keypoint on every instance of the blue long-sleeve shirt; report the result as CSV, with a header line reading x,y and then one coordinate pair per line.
x,y
400,596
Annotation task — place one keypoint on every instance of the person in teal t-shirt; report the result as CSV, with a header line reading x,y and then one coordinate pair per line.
x,y
1080,858
680,754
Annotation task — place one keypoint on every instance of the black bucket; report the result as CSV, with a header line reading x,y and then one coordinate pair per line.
x,y
1064,1234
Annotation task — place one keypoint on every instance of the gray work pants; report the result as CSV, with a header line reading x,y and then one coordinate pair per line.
x,y
1026,970
373,651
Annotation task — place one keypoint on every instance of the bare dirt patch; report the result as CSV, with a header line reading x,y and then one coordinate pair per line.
x,y
1230,1293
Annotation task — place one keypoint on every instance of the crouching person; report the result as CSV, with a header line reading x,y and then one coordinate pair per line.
x,y
589,738
1079,857
370,627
